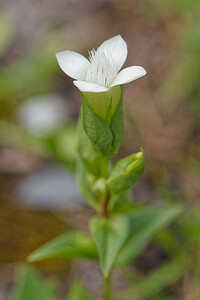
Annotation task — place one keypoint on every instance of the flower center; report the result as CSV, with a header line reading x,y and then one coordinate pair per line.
x,y
102,69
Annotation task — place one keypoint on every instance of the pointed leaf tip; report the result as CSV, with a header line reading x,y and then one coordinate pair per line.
x,y
109,236
71,245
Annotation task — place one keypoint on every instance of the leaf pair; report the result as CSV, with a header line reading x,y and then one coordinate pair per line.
x,y
114,241
123,237
109,236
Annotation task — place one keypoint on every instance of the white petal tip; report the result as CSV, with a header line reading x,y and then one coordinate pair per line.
x,y
73,64
60,54
118,49
143,71
85,86
129,74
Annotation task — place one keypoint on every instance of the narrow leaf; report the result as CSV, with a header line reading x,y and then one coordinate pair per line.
x,y
70,245
145,223
109,236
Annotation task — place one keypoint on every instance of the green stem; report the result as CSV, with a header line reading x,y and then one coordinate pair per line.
x,y
104,166
104,208
105,199
107,291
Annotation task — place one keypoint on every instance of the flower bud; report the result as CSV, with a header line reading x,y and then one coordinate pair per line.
x,y
126,173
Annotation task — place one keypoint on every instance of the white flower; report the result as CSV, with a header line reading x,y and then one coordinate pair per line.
x,y
102,70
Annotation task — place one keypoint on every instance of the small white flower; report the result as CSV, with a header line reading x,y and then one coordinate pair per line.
x,y
101,71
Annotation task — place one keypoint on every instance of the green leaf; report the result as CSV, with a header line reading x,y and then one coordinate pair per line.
x,y
145,222
71,245
126,173
30,286
109,236
78,292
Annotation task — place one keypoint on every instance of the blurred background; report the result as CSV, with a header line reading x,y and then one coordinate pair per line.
x,y
39,107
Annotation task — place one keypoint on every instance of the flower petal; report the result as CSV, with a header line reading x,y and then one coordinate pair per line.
x,y
129,74
85,86
118,48
73,64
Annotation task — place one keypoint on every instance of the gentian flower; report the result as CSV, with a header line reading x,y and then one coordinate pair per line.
x,y
102,71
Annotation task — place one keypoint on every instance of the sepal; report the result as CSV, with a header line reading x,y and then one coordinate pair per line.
x,y
103,119
85,182
91,158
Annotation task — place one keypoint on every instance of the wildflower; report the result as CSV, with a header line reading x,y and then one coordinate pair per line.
x,y
102,71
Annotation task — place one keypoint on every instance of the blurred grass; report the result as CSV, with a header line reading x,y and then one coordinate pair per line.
x,y
155,282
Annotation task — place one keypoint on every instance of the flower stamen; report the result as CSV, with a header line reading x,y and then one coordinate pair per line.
x,y
102,69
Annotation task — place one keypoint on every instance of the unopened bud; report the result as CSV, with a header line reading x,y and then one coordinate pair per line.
x,y
126,173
